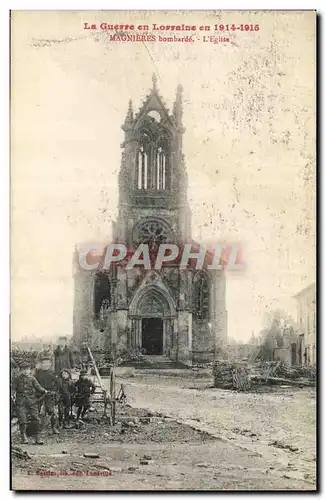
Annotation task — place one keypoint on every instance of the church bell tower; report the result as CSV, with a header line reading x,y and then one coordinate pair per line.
x,y
172,312
153,206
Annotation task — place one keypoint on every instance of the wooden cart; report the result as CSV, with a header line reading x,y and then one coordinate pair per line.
x,y
108,395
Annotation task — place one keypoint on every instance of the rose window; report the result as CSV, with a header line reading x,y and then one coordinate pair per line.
x,y
152,233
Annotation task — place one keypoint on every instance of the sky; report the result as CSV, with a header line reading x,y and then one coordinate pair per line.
x,y
249,148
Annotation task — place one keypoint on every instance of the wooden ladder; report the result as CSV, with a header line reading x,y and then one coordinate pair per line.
x,y
107,397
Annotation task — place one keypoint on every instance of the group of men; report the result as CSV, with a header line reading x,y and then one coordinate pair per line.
x,y
50,390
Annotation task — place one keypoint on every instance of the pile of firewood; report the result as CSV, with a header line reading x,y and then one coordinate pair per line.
x,y
223,374
229,375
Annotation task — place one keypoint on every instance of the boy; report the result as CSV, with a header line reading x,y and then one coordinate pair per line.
x,y
84,388
46,377
66,389
27,390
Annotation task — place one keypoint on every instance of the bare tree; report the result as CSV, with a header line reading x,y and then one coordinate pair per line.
x,y
279,328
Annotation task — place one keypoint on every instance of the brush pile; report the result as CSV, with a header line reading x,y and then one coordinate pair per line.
x,y
241,377
282,370
17,356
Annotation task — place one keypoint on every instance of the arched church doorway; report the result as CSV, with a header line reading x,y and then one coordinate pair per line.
x,y
152,314
152,336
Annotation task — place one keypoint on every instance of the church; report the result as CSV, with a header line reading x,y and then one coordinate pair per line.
x,y
174,313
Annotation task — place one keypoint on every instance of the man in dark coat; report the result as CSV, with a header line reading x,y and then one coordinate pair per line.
x,y
27,391
63,357
45,376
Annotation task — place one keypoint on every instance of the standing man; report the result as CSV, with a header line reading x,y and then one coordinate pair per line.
x,y
63,357
45,376
46,351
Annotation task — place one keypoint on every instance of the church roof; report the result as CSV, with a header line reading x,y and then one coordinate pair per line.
x,y
153,101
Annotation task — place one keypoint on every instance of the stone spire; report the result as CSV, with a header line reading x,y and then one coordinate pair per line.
x,y
177,106
154,80
130,115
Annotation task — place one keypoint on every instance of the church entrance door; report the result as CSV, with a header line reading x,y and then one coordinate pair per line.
x,y
152,335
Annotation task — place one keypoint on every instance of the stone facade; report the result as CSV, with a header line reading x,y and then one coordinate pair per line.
x,y
177,313
306,317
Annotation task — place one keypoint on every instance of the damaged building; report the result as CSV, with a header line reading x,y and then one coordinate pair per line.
x,y
176,313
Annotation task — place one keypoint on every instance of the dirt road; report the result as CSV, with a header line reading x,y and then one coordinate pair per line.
x,y
174,466
234,453
285,417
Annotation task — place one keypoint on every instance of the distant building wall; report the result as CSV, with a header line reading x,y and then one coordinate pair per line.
x,y
306,316
282,354
237,352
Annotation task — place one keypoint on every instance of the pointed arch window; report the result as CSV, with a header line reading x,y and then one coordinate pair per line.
x,y
160,169
143,160
153,159
102,295
201,296
162,165
142,170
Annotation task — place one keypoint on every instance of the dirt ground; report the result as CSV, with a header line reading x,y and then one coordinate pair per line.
x,y
182,435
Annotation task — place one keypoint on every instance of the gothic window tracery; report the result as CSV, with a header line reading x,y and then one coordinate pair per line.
x,y
162,163
142,181
152,157
143,161
155,115
152,233
160,169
